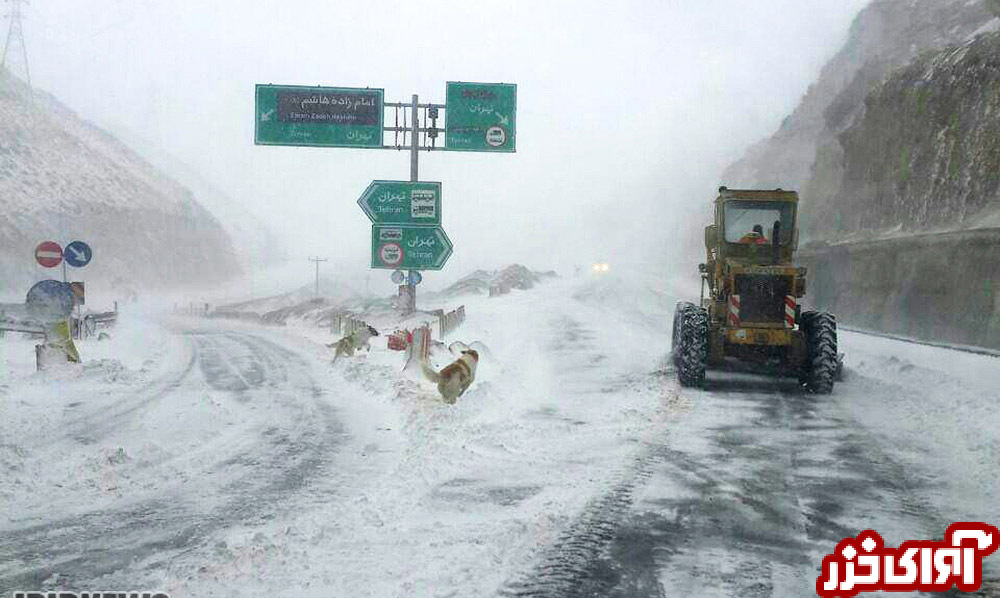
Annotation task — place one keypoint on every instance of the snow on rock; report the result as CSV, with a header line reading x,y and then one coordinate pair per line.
x,y
514,276
886,35
63,179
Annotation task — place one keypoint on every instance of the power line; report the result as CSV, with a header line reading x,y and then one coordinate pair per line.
x,y
15,34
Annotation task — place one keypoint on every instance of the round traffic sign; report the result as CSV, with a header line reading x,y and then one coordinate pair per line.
x,y
496,136
49,300
48,254
415,278
78,254
398,276
391,254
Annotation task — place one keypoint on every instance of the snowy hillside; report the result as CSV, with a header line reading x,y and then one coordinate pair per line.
x,y
924,153
64,179
888,34
894,152
251,237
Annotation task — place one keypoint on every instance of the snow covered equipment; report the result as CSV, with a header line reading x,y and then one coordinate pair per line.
x,y
350,343
752,312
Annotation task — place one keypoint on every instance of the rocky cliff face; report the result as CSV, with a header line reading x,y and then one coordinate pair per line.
x,y
923,153
64,179
887,35
896,150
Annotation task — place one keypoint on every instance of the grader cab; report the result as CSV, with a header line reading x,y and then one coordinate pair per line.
x,y
752,310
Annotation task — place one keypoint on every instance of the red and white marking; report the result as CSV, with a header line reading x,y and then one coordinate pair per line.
x,y
734,310
789,311
48,254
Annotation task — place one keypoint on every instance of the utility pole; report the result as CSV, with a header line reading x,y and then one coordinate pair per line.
x,y
15,35
317,260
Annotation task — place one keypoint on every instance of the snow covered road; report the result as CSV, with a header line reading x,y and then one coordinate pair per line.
x,y
231,431
228,460
755,481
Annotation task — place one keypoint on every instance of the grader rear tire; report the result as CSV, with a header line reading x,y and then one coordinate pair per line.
x,y
690,350
820,368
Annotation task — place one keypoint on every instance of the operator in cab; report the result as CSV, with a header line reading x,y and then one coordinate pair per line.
x,y
755,236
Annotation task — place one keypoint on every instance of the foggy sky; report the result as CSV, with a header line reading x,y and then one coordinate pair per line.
x,y
627,111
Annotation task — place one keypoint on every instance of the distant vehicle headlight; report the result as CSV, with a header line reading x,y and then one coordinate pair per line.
x,y
600,267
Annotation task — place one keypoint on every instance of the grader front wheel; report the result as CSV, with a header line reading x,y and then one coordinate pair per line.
x,y
821,365
690,349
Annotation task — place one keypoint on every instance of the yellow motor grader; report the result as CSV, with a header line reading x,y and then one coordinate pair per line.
x,y
752,311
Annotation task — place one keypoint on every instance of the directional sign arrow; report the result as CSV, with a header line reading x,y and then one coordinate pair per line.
x,y
409,247
402,202
78,254
482,117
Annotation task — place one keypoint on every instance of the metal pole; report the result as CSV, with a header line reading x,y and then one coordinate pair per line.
x,y
414,156
414,138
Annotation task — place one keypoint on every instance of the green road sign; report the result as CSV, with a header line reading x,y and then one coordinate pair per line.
x,y
409,247
318,116
402,202
480,117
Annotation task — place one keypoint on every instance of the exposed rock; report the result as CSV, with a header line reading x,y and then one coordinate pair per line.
x,y
923,155
886,35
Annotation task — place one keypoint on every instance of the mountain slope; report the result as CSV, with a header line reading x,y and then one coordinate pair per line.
x,y
923,154
64,179
252,239
886,35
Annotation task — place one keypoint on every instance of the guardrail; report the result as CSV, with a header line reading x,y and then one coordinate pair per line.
x,y
91,323
248,316
916,341
87,326
417,350
448,322
344,324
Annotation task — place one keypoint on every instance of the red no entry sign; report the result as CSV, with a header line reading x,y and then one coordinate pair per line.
x,y
48,254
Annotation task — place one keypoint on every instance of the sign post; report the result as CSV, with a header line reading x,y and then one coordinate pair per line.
x,y
479,117
77,254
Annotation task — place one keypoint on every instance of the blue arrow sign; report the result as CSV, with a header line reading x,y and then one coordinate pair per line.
x,y
77,254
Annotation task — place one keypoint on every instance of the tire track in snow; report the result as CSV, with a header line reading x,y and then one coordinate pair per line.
x,y
98,422
568,568
73,550
783,478
574,565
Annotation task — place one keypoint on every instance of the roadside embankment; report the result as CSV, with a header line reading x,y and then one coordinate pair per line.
x,y
942,287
